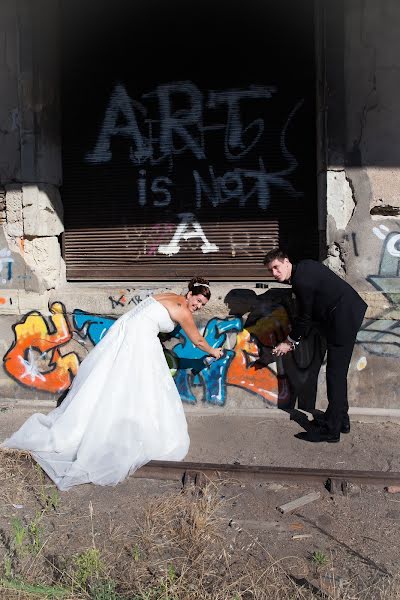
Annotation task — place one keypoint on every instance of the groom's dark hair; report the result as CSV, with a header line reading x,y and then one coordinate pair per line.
x,y
275,254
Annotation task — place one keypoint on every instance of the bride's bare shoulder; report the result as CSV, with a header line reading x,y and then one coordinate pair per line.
x,y
171,299
166,296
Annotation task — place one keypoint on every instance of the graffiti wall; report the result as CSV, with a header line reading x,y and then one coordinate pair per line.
x,y
373,375
46,352
42,351
381,336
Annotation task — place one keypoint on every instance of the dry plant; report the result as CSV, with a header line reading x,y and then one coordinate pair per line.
x,y
177,545
179,550
179,553
17,476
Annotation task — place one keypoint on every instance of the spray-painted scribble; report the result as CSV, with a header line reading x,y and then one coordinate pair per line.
x,y
34,359
127,118
127,298
157,233
6,263
234,143
6,300
121,106
183,132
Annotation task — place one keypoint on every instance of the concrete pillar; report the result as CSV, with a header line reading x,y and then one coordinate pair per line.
x,y
30,159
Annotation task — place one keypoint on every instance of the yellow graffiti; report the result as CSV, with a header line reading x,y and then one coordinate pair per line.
x,y
34,358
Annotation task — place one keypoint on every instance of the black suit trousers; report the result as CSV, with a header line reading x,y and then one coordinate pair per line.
x,y
341,332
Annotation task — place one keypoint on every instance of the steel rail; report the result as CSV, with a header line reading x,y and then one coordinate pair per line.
x,y
177,470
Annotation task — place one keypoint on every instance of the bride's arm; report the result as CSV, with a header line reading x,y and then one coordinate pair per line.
x,y
187,323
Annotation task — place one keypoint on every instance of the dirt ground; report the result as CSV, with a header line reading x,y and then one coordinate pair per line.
x,y
148,539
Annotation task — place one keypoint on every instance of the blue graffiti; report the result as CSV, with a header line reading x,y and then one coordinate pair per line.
x,y
192,369
389,270
6,262
381,336
95,326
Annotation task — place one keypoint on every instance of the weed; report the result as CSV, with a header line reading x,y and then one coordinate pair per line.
x,y
171,573
19,534
53,500
8,569
40,477
48,501
35,532
104,590
135,553
319,558
87,567
41,590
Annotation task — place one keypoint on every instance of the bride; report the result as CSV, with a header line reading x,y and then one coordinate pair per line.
x,y
123,408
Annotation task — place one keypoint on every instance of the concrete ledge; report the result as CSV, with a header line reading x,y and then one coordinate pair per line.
x,y
358,414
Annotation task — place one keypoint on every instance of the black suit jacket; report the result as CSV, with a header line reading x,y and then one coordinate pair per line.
x,y
318,291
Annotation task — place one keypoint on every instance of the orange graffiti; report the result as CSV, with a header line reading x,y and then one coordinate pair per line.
x,y
245,372
34,359
3,300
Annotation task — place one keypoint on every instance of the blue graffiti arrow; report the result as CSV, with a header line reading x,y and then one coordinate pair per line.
x,y
96,326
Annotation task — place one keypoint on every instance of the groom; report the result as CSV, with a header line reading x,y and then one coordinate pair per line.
x,y
322,297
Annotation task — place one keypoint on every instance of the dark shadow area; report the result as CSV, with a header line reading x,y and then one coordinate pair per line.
x,y
62,397
202,108
269,317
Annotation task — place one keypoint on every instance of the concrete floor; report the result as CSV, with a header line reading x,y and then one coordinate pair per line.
x,y
266,440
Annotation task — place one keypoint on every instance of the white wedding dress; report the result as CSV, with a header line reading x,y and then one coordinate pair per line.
x,y
122,410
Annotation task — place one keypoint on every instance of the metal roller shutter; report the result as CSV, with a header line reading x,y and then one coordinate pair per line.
x,y
188,137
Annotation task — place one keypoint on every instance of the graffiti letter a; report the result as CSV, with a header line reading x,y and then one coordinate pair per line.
x,y
187,229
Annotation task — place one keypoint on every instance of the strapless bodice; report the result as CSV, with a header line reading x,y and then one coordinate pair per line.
x,y
151,309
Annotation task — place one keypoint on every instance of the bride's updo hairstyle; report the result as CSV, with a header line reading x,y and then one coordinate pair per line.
x,y
200,285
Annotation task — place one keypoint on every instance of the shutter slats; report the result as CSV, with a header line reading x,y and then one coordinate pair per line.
x,y
260,142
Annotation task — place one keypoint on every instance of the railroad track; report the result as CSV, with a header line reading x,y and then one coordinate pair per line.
x,y
178,471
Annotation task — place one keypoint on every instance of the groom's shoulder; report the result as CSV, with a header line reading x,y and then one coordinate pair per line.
x,y
311,271
308,264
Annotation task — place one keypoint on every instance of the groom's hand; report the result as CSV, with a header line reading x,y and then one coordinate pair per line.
x,y
282,348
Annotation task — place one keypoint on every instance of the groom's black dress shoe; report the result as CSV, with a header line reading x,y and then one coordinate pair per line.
x,y
319,434
319,421
345,425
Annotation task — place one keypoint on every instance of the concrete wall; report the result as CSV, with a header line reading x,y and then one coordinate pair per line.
x,y
43,347
363,176
47,326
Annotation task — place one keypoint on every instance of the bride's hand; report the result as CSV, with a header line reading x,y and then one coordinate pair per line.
x,y
217,353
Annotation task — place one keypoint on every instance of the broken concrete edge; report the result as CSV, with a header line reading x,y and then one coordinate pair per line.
x,y
358,414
